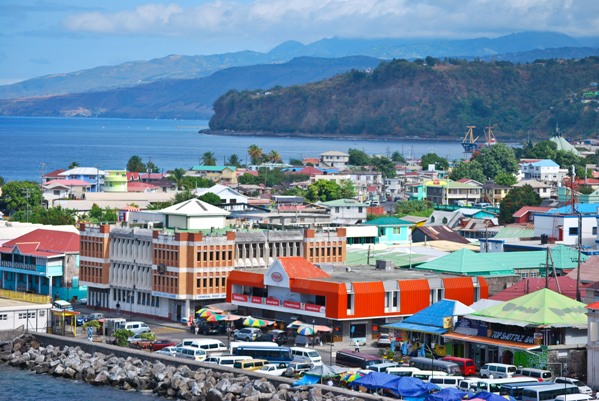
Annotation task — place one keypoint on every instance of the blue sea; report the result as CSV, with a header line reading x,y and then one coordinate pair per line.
x,y
24,385
30,145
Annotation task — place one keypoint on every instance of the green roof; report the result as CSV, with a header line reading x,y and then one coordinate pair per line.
x,y
501,263
514,232
212,168
388,221
540,308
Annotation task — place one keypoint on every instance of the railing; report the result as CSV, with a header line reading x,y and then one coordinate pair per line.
x,y
26,297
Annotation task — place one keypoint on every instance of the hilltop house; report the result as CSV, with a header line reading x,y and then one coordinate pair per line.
x,y
218,174
92,175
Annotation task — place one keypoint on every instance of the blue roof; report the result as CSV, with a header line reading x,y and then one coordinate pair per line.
x,y
584,208
422,328
545,163
428,320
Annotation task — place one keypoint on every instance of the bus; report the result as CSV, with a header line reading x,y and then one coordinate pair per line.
x,y
515,389
234,344
271,354
549,392
494,385
451,368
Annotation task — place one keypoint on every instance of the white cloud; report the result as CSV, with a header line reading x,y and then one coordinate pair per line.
x,y
307,20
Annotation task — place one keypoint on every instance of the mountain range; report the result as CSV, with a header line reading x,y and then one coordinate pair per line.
x,y
179,86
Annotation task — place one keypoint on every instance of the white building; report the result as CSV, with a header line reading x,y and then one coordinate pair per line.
x,y
91,175
346,211
542,170
334,159
194,214
563,226
225,193
32,317
593,346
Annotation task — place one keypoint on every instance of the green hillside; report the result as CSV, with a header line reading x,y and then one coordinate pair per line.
x,y
425,98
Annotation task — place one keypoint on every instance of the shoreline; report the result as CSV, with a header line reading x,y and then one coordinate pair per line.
x,y
348,137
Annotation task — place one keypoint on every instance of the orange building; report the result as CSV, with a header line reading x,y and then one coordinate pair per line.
x,y
355,301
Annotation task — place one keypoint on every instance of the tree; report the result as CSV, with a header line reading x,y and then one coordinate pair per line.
x,y
358,158
323,190
151,167
421,208
248,179
2,181
73,165
432,158
295,162
208,159
515,199
398,157
99,215
274,156
499,158
211,198
178,177
52,216
347,190
20,195
505,179
471,170
255,154
136,165
384,165
234,160
183,196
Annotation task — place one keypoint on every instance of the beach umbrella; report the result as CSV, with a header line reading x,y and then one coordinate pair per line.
x,y
205,312
306,330
322,329
231,318
295,324
215,318
350,377
254,322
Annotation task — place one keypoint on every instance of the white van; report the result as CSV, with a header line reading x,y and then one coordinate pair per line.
x,y
498,370
62,305
573,397
306,354
427,375
383,367
191,353
446,381
137,327
494,385
469,384
539,374
235,344
402,371
226,360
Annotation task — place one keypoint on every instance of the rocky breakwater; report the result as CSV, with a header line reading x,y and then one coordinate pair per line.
x,y
134,374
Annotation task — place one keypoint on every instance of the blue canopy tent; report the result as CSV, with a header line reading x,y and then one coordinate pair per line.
x,y
447,394
306,380
485,395
373,380
410,387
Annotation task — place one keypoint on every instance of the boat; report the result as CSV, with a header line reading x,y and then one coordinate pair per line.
x,y
469,141
490,139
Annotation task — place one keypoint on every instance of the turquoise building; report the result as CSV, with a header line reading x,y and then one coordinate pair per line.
x,y
392,230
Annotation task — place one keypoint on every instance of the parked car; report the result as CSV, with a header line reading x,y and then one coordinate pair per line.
x,y
163,343
275,336
384,340
170,351
247,334
206,328
297,368
88,318
272,369
584,389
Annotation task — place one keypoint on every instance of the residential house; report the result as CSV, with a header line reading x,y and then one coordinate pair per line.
x,y
92,175
225,193
561,224
115,181
64,189
437,233
392,230
268,166
334,159
494,193
544,190
526,214
346,211
52,175
447,192
136,186
43,261
543,170
218,174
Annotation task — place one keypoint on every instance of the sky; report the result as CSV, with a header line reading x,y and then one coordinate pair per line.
x,y
43,37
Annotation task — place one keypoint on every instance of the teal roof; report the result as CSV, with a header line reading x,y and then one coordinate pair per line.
x,y
388,221
514,232
343,203
212,168
501,263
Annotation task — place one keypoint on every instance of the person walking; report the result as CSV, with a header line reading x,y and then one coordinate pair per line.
x,y
196,328
357,347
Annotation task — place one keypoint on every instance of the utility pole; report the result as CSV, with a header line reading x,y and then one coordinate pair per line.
x,y
27,194
43,166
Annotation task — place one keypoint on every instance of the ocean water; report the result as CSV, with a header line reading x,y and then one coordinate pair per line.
x,y
24,385
30,145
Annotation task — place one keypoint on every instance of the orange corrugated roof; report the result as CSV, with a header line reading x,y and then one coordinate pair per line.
x,y
298,267
251,279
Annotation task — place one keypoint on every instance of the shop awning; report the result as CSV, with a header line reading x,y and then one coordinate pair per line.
x,y
421,328
490,341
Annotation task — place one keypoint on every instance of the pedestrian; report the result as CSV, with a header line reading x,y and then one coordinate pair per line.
x,y
330,382
196,328
357,348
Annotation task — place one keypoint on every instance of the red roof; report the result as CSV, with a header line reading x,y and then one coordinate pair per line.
x,y
132,176
594,305
135,186
309,170
54,173
526,286
527,209
298,267
310,160
250,172
44,242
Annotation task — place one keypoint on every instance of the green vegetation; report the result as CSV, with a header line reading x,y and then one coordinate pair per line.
x,y
99,215
450,95
136,165
548,150
328,190
210,198
52,216
515,199
121,336
432,158
421,208
20,195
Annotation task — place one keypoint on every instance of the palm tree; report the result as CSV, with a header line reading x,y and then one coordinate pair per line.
x,y
208,159
234,161
73,165
177,176
274,156
255,154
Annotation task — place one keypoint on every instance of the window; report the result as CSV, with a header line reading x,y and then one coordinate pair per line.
x,y
594,230
350,304
573,231
3,316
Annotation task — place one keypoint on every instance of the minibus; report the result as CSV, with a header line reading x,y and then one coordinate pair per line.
x,y
494,385
497,370
422,363
544,393
539,374
235,344
271,354
308,354
401,371
467,365
515,389
351,358
446,381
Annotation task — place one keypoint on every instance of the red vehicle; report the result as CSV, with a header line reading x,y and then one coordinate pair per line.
x,y
160,344
467,365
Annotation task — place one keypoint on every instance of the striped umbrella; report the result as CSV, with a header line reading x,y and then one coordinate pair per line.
x,y
295,324
215,318
254,322
306,330
350,377
205,312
